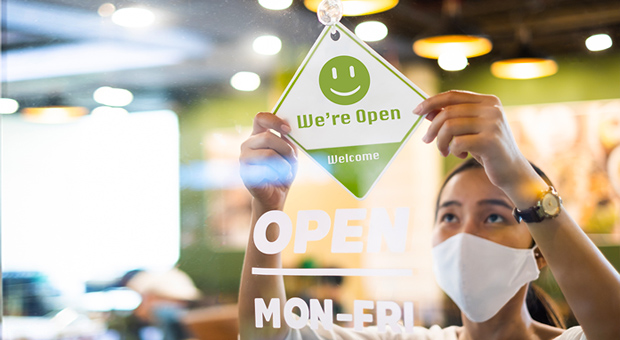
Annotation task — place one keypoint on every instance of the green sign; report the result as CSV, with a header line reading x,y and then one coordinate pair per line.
x,y
349,109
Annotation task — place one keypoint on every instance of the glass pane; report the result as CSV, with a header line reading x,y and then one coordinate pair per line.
x,y
123,211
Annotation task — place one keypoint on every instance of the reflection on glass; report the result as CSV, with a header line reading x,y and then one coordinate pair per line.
x,y
107,9
133,17
53,114
106,112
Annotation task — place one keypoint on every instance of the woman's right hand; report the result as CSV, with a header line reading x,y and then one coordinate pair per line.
x,y
268,162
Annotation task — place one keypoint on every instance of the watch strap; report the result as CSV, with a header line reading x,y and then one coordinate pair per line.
x,y
529,215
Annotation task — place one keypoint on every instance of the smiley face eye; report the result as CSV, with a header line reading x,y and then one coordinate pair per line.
x,y
334,73
352,71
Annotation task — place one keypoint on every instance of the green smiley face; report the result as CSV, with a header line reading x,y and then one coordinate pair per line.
x,y
344,80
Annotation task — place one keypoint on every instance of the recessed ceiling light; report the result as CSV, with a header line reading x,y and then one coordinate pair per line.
x,y
267,45
598,42
452,61
371,31
275,5
8,106
112,96
245,81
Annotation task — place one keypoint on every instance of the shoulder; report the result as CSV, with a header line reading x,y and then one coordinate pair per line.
x,y
372,333
573,333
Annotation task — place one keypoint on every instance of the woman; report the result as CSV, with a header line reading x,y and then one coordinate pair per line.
x,y
474,229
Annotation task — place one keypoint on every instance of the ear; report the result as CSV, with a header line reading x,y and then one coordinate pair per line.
x,y
540,259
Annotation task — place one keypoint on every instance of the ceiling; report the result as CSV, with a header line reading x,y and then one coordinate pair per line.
x,y
63,50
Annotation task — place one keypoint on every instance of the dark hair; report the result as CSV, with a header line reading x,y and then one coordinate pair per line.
x,y
539,304
542,308
472,163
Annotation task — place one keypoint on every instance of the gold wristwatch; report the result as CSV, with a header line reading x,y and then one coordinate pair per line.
x,y
549,205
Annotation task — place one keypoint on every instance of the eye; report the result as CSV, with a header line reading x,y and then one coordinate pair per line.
x,y
334,73
495,218
449,218
352,71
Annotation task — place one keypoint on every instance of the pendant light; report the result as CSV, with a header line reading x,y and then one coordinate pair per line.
x,y
53,111
357,7
53,114
452,36
525,63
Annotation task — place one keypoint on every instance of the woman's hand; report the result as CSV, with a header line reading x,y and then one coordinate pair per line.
x,y
465,122
268,162
268,167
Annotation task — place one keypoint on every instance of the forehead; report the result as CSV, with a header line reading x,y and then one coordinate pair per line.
x,y
470,185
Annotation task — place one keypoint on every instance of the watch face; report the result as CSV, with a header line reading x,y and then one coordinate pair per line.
x,y
551,204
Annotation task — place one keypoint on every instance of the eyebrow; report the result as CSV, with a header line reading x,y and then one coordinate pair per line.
x,y
481,202
449,203
495,202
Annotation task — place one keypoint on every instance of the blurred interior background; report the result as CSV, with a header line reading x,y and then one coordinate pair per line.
x,y
121,127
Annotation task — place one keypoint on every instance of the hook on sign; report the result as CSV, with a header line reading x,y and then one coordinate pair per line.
x,y
329,12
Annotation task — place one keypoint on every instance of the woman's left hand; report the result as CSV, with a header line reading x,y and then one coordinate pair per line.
x,y
465,122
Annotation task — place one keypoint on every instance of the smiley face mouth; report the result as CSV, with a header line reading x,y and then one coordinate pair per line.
x,y
346,94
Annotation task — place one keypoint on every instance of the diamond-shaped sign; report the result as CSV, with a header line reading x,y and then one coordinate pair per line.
x,y
349,109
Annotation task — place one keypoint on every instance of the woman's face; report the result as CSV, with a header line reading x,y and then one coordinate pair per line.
x,y
470,204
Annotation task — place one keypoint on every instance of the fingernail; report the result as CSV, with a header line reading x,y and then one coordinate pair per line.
x,y
426,139
418,109
285,128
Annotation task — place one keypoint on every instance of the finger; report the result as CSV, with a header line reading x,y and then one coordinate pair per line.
x,y
462,155
267,140
450,112
267,157
454,128
292,160
290,142
264,121
464,144
453,97
272,151
431,115
266,167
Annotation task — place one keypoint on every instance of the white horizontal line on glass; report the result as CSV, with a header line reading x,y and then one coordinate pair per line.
x,y
331,272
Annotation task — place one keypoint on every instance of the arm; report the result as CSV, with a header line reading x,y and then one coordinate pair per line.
x,y
268,166
466,123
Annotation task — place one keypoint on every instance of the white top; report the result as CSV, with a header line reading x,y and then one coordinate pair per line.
x,y
419,333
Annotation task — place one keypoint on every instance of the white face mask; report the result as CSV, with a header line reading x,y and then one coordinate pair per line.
x,y
481,276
